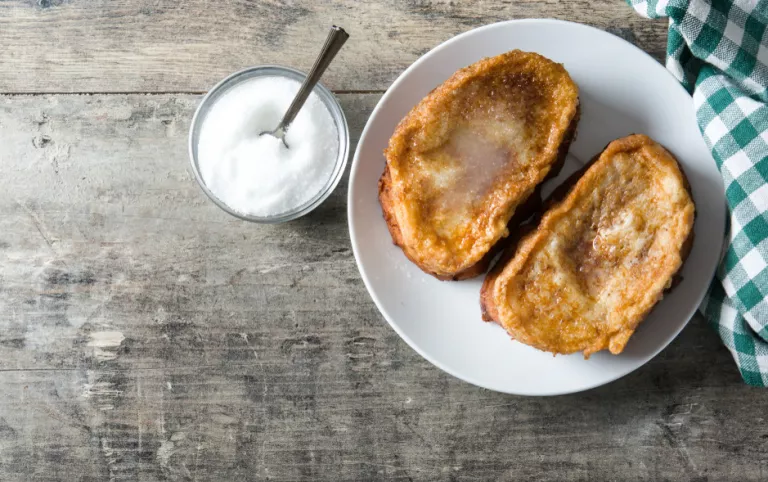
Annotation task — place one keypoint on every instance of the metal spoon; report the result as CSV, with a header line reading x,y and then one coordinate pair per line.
x,y
336,38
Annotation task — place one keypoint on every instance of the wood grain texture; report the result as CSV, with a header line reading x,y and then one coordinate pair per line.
x,y
164,46
146,335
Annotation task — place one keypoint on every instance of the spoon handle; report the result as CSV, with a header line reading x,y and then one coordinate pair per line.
x,y
336,38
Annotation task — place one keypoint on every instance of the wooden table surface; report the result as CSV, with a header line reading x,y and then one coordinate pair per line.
x,y
146,335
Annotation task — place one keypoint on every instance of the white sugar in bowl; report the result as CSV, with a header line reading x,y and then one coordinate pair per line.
x,y
257,177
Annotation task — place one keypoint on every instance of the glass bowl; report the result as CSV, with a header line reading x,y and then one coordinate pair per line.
x,y
325,96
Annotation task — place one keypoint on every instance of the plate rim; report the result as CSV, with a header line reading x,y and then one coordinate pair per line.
x,y
351,220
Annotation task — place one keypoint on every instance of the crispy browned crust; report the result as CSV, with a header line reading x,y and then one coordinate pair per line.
x,y
527,205
528,208
489,308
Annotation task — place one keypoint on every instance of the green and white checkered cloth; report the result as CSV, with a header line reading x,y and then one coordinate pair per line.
x,y
718,50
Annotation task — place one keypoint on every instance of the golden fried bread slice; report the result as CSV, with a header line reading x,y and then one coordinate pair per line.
x,y
466,159
600,258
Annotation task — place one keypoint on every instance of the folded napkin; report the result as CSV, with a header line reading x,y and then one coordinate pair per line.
x,y
718,50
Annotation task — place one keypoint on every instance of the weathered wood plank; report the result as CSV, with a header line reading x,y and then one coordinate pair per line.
x,y
163,46
146,335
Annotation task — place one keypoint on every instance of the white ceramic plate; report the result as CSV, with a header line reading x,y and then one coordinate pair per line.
x,y
622,91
